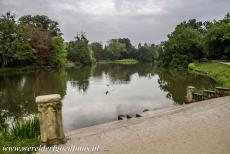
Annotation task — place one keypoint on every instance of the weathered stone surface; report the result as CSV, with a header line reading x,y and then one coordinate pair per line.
x,y
122,117
48,98
128,116
209,94
198,96
190,91
222,91
145,110
50,119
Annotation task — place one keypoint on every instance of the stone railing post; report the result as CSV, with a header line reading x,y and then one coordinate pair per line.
x,y
50,119
190,91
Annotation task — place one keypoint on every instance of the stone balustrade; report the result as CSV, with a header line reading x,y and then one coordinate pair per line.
x,y
192,96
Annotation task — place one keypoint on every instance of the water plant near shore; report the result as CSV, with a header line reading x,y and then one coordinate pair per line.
x,y
23,132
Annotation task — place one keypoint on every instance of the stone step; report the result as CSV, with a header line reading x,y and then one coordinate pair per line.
x,y
155,111
222,91
198,96
122,117
209,93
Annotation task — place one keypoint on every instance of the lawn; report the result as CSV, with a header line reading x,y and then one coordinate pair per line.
x,y
17,69
218,71
122,61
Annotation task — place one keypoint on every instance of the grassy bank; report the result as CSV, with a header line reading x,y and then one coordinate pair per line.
x,y
27,69
17,69
23,133
219,72
122,61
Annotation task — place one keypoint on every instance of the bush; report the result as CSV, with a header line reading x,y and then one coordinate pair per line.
x,y
191,66
179,62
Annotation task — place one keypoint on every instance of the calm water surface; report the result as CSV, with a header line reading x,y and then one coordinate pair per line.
x,y
98,94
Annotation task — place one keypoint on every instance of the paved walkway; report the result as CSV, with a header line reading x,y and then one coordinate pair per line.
x,y
202,127
226,63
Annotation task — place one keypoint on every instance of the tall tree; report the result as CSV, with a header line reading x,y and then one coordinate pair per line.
x,y
59,53
116,48
97,50
217,40
79,51
184,44
14,44
42,22
145,53
41,43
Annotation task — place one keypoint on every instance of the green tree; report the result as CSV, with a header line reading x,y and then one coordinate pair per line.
x,y
129,48
97,50
14,44
31,40
115,49
184,42
217,40
59,53
79,51
42,22
194,24
46,40
145,53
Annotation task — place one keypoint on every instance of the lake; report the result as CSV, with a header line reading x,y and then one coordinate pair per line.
x,y
97,94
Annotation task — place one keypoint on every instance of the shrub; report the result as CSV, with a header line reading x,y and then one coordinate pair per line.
x,y
191,66
179,62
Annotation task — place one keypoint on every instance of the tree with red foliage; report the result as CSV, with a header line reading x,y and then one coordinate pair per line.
x,y
41,43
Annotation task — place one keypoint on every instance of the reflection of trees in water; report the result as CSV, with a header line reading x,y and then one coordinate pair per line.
x,y
17,96
175,83
119,73
17,92
51,82
79,78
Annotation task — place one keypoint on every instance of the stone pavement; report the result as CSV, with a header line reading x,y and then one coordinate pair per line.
x,y
202,127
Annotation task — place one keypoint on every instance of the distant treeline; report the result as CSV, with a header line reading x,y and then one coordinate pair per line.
x,y
80,51
37,40
121,48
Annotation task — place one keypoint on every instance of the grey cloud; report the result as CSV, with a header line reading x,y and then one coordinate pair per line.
x,y
140,20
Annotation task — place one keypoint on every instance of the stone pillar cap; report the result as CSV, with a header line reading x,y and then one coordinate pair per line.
x,y
48,98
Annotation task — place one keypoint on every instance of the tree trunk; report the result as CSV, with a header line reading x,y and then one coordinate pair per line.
x,y
4,61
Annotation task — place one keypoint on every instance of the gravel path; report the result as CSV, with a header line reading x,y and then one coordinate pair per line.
x,y
226,63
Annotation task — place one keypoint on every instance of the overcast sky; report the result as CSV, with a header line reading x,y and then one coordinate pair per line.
x,y
140,20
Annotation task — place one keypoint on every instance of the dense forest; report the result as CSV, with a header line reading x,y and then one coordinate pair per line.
x,y
37,40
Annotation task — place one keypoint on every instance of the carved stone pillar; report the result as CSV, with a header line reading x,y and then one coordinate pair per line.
x,y
190,91
50,119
